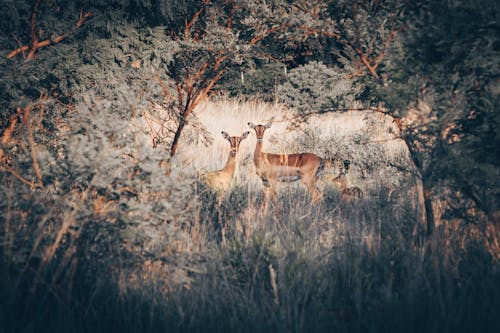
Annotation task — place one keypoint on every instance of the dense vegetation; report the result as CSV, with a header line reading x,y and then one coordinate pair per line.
x,y
111,113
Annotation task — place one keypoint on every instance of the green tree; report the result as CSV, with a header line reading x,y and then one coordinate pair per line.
x,y
315,87
352,33
208,45
448,59
433,65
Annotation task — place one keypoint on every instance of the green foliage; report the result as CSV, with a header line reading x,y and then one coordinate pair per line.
x,y
448,58
342,33
314,87
95,150
261,82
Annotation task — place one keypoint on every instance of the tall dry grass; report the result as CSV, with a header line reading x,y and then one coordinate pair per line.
x,y
337,266
367,138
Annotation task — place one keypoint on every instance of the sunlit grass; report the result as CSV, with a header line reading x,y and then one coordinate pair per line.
x,y
360,137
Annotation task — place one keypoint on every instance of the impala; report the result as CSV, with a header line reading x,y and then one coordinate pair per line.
x,y
273,168
221,180
347,193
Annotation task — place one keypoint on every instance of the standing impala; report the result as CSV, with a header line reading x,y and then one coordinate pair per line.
x,y
347,193
220,181
273,168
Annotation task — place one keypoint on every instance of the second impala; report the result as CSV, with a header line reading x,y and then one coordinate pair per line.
x,y
273,168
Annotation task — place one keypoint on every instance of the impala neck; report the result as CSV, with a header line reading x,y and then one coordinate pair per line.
x,y
231,163
258,152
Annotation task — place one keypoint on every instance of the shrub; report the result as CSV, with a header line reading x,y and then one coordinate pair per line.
x,y
314,87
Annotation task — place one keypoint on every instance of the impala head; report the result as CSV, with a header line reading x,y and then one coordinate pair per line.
x,y
259,130
234,141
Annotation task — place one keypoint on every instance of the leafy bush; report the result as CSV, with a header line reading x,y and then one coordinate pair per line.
x,y
261,82
315,87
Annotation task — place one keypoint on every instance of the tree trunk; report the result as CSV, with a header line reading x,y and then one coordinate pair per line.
x,y
429,210
429,221
178,132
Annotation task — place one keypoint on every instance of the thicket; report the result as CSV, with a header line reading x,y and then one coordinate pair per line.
x,y
103,228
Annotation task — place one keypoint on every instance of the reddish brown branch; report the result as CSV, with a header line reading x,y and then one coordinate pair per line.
x,y
371,68
387,43
205,91
34,39
14,173
7,134
199,74
35,44
308,31
265,33
193,20
231,15
372,64
219,61
363,57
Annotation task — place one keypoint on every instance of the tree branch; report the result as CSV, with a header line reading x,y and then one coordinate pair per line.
x,y
381,55
193,20
17,175
231,15
265,33
35,44
308,31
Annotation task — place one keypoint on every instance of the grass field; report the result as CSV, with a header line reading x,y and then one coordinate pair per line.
x,y
361,266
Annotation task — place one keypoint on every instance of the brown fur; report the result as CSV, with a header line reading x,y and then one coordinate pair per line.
x,y
221,180
348,193
273,168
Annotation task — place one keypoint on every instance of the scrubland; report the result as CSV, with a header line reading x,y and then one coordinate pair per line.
x,y
135,250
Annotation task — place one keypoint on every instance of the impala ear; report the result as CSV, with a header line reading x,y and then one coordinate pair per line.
x,y
244,135
267,125
225,135
251,125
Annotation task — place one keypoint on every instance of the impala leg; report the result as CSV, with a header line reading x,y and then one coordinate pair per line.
x,y
269,195
220,218
265,201
316,196
310,183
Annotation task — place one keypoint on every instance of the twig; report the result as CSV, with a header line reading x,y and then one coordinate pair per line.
x,y
17,175
7,134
